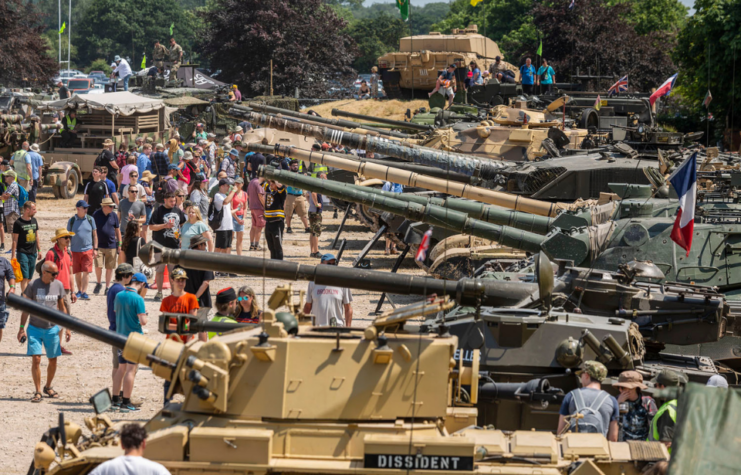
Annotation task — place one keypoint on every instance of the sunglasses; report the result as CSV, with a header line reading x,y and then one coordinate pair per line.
x,y
246,297
53,274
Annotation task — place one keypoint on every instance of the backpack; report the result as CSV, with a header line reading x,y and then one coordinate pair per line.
x,y
22,196
592,422
215,216
71,222
56,259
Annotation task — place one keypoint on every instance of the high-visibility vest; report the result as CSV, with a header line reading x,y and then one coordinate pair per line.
x,y
220,318
19,164
317,169
70,125
671,406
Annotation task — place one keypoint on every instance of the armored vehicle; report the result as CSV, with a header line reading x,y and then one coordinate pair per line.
x,y
420,59
384,399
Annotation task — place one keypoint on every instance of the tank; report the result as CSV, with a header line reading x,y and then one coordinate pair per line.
x,y
420,59
395,123
529,314
247,389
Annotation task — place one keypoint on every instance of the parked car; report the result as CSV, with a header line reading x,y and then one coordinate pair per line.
x,y
97,89
80,85
68,74
98,76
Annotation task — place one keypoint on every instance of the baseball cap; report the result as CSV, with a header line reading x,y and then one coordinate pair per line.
x,y
630,380
717,381
594,369
328,257
82,204
667,378
178,273
139,277
124,269
172,166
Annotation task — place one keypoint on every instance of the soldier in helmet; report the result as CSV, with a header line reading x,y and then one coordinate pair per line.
x,y
176,58
589,408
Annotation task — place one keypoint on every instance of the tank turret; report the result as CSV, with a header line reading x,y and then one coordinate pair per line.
x,y
396,123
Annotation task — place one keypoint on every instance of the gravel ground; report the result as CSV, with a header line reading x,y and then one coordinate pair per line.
x,y
88,369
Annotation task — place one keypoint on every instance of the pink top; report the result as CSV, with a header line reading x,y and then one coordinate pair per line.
x,y
240,198
254,190
125,173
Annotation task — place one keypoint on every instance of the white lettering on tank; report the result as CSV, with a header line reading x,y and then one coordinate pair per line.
x,y
425,462
381,461
408,462
434,462
445,463
455,462
398,460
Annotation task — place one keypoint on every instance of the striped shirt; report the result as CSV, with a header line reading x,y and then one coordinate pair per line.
x,y
275,201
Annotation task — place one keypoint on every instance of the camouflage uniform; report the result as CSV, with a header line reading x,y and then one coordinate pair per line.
x,y
176,52
159,55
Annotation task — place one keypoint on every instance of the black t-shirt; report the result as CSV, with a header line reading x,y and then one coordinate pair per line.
x,y
275,201
95,192
255,161
104,160
28,234
130,251
195,279
166,236
63,92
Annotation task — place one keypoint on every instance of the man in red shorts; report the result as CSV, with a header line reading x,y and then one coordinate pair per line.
x,y
83,246
256,198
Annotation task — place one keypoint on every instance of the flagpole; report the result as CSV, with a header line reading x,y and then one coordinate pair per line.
x,y
69,36
59,32
411,44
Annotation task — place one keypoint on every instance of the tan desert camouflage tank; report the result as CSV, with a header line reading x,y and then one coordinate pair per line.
x,y
419,58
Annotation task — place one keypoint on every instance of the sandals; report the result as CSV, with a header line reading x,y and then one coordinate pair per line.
x,y
51,393
37,397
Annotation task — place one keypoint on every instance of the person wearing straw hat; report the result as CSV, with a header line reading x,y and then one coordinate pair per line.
x,y
62,257
636,409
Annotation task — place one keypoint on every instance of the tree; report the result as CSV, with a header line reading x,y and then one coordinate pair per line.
x,y
129,27
99,65
655,15
376,37
304,39
708,52
24,53
596,36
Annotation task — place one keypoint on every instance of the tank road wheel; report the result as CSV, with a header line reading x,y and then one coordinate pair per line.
x,y
589,118
68,190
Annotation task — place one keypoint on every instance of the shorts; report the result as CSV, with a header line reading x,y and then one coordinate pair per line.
x,y
149,210
298,204
49,338
115,357
238,228
3,316
223,239
121,359
82,261
182,186
258,218
28,264
24,184
160,269
106,258
315,224
446,91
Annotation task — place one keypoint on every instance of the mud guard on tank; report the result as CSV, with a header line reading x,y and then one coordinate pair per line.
x,y
64,178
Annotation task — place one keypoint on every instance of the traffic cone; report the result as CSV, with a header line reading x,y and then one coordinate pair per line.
x,y
165,281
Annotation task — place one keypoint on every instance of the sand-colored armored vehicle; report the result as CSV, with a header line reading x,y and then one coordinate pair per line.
x,y
387,398
420,58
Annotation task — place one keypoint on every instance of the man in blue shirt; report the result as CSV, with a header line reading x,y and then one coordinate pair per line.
x,y
124,273
108,228
83,246
143,162
37,163
527,73
130,316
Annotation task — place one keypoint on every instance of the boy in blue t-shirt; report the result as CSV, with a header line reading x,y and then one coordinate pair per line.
x,y
130,316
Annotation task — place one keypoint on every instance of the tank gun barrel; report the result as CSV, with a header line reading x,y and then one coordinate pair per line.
x,y
474,167
465,291
408,178
537,392
345,124
422,212
382,120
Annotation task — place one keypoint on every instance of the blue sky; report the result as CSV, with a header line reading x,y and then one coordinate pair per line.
x,y
689,3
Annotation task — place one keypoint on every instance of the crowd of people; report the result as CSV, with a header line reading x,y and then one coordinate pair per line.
x,y
540,80
197,194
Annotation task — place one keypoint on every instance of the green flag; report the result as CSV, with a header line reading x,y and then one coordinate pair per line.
x,y
403,6
64,25
540,49
172,27
144,61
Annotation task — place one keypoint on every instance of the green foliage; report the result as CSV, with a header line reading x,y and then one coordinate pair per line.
x,y
421,18
99,64
376,37
707,53
51,38
129,28
24,54
654,15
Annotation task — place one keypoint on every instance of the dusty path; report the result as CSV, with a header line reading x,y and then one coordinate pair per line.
x,y
89,368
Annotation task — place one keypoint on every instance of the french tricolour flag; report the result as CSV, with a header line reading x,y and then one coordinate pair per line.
x,y
664,89
684,181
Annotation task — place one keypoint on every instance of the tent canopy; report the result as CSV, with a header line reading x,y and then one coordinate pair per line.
x,y
116,103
